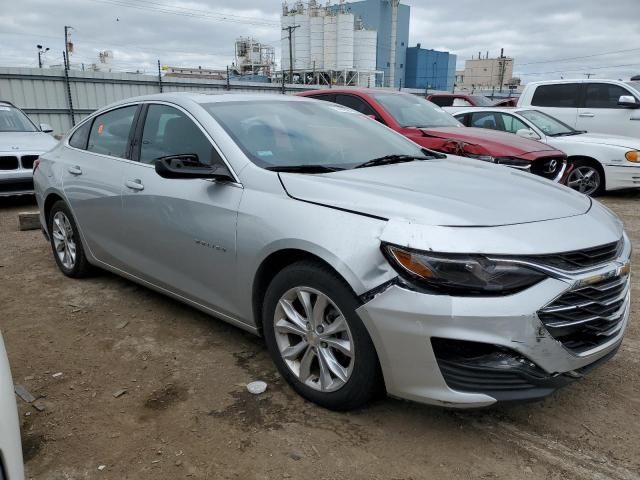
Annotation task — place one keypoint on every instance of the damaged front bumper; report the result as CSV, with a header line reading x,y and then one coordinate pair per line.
x,y
475,351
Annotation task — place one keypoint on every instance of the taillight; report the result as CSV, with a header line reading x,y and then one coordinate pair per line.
x,y
36,163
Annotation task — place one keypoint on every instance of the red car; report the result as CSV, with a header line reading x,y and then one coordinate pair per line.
x,y
433,128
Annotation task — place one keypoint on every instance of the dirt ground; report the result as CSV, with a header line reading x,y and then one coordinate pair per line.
x,y
186,412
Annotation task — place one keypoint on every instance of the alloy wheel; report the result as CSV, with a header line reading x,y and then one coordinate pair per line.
x,y
63,242
585,179
314,339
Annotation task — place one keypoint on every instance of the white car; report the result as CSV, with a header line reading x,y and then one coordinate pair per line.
x,y
594,105
10,447
599,162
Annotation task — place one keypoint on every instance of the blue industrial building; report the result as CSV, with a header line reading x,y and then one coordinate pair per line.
x,y
426,68
376,15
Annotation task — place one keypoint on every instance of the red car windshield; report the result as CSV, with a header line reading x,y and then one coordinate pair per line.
x,y
413,111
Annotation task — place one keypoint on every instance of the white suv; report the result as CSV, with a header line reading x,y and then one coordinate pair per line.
x,y
596,106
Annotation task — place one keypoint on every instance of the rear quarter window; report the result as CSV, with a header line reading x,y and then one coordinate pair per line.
x,y
562,95
81,136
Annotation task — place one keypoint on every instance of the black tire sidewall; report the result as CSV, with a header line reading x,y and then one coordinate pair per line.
x,y
365,378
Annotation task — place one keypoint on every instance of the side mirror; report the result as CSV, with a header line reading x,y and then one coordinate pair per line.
x,y
46,128
189,166
528,133
628,101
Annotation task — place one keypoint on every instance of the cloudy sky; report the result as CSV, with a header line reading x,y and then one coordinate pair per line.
x,y
548,38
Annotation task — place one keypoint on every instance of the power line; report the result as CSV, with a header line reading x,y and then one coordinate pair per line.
x,y
190,13
579,58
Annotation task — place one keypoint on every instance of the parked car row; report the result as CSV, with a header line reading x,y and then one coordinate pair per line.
x,y
370,257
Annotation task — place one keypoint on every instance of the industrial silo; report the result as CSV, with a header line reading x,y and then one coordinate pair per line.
x,y
316,26
344,51
330,42
364,55
301,50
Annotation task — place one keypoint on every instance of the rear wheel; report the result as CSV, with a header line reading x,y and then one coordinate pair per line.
x,y
586,177
65,242
316,338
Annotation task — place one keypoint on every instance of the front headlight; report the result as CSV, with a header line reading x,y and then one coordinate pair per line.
x,y
461,275
484,158
514,163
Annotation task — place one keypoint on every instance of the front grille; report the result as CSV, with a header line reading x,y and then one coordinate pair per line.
x,y
588,316
27,161
579,259
8,163
548,167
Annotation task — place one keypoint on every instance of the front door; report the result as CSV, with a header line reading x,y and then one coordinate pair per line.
x,y
180,233
602,114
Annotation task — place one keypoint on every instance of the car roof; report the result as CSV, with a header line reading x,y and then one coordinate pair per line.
x,y
186,97
576,80
363,91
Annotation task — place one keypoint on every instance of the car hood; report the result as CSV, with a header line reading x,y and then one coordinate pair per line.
x,y
600,139
17,142
450,192
497,144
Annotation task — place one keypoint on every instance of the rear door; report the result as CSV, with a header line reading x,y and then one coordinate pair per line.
x,y
601,113
180,233
560,100
92,179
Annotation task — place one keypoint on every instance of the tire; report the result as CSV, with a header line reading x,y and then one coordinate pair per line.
x,y
578,180
358,378
65,245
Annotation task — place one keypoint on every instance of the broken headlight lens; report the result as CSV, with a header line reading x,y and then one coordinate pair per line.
x,y
514,163
462,275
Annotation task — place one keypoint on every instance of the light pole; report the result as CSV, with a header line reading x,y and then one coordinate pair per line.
x,y
41,51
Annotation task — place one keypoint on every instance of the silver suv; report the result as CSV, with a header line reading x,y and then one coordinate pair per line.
x,y
21,143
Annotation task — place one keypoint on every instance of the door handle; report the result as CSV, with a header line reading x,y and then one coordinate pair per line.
x,y
134,184
75,170
587,115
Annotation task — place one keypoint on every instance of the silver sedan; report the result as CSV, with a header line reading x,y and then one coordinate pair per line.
x,y
10,447
366,262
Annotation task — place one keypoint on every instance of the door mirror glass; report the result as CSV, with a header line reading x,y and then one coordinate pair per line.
x,y
188,165
46,128
628,101
528,133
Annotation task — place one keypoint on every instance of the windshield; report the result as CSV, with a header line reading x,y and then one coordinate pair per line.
x,y
13,120
549,125
481,101
413,111
298,133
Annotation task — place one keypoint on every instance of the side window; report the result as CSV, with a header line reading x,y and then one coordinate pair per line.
x,y
325,97
355,103
603,95
168,131
562,95
110,132
442,101
463,118
81,136
484,120
512,124
461,102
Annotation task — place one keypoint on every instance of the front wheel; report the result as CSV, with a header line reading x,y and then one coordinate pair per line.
x,y
586,178
316,339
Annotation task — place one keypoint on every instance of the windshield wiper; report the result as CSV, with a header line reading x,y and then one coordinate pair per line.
x,y
569,134
304,169
390,159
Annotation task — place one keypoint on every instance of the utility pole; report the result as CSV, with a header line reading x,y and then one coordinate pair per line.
x,y
159,76
290,29
66,45
503,67
589,75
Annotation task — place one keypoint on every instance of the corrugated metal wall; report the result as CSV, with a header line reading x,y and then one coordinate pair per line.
x,y
42,93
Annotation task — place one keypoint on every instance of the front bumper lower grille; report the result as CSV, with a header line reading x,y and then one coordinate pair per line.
x,y
588,316
499,372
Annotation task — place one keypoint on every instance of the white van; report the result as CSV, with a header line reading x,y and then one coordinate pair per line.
x,y
593,105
